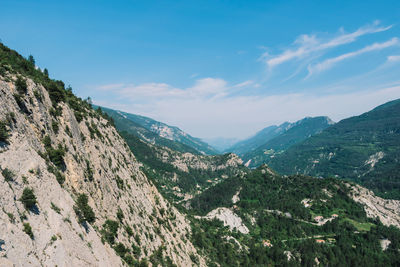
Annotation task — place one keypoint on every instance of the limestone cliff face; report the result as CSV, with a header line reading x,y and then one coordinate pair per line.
x,y
387,210
98,163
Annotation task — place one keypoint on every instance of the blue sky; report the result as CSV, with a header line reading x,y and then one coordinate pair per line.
x,y
216,68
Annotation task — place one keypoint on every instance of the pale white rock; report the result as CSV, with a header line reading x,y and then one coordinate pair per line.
x,y
387,210
110,159
228,217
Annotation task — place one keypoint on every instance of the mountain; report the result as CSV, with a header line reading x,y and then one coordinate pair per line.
x,y
265,219
77,190
162,130
293,134
221,143
181,176
72,193
249,144
123,123
364,148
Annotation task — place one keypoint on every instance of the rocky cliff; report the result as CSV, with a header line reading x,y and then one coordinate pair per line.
x,y
62,157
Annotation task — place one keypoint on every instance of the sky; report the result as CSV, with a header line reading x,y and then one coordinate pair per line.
x,y
216,68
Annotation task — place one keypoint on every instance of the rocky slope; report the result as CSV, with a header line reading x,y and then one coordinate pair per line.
x,y
182,175
61,153
159,133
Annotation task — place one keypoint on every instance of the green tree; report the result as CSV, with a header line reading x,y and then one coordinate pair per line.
x,y
3,132
82,209
20,85
28,198
31,60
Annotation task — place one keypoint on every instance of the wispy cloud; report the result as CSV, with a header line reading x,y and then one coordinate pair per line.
x,y
202,88
241,116
394,58
244,84
306,45
329,63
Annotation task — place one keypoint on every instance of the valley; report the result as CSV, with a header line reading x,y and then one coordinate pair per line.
x,y
87,185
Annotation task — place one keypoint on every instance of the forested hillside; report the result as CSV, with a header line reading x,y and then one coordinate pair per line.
x,y
296,133
364,149
295,220
159,133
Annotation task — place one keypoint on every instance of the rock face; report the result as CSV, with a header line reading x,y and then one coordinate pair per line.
x,y
229,218
98,163
387,210
163,130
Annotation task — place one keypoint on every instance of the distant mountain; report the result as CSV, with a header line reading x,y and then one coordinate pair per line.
x,y
221,143
364,148
260,138
159,133
290,134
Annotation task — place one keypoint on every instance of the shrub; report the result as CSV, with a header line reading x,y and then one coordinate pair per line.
x,y
54,125
8,175
55,208
82,209
60,177
28,230
89,171
56,156
21,86
120,215
110,230
129,230
3,132
121,250
28,198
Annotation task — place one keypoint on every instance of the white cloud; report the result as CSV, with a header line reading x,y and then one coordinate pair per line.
x,y
394,58
201,112
329,63
244,84
309,44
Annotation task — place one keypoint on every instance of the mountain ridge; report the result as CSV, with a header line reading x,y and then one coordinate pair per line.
x,y
362,148
163,130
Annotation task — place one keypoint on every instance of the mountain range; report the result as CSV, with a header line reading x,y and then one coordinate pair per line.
x,y
363,148
84,185
273,140
159,133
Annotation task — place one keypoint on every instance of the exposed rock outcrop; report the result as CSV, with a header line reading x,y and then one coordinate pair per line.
x,y
96,162
387,210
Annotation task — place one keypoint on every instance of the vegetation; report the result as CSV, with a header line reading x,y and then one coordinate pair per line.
x,y
56,156
298,132
348,149
3,132
109,231
82,209
28,230
28,198
8,175
280,219
21,86
163,173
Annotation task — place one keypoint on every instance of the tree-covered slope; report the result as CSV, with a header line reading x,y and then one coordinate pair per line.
x,y
298,132
180,176
292,221
364,148
249,144
159,133
123,124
